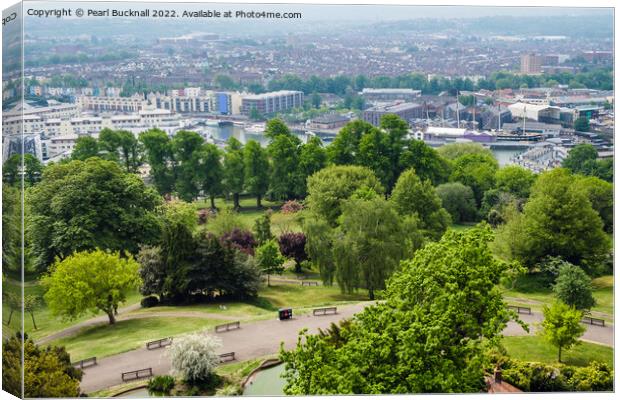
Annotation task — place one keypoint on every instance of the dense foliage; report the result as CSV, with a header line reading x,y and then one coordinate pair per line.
x,y
426,337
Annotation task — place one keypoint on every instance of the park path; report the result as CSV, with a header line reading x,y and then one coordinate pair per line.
x,y
522,300
261,338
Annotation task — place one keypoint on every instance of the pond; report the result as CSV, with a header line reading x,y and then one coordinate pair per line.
x,y
267,382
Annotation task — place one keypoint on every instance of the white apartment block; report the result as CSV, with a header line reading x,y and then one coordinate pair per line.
x,y
111,103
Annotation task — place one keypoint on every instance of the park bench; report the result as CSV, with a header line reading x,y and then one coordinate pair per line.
x,y
309,283
324,311
156,344
225,357
85,363
227,327
521,310
593,321
137,374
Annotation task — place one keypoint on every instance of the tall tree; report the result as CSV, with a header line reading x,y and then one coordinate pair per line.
x,y
293,245
558,220
343,150
262,227
368,246
458,200
234,169
375,153
426,162
574,287
312,158
85,148
331,186
430,335
158,149
319,246
83,205
396,129
580,159
130,150
285,182
210,173
256,170
109,142
414,197
515,180
601,196
186,147
562,326
90,281
476,171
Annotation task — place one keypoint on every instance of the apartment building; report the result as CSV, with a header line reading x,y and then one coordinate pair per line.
x,y
531,64
406,111
272,102
111,104
390,95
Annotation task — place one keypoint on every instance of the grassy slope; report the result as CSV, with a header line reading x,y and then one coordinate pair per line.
x,y
105,340
534,348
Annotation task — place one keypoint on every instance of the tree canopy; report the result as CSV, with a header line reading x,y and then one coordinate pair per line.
x,y
429,336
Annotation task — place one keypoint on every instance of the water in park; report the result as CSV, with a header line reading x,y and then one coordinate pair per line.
x,y
267,382
136,393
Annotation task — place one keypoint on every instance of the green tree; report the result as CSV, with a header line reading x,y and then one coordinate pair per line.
x,y
158,149
13,171
83,205
476,171
186,147
601,196
256,170
574,287
319,246
262,228
130,151
312,158
441,310
426,162
458,200
109,142
515,180
210,172
11,229
368,246
580,159
315,99
85,148
414,197
558,220
343,150
226,220
582,124
90,281
48,372
562,326
331,186
234,170
453,151
285,182
269,260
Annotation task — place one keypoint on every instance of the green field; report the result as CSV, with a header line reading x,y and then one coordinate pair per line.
x,y
536,349
105,340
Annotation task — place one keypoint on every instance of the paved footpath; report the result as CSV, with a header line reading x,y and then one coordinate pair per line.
x,y
260,338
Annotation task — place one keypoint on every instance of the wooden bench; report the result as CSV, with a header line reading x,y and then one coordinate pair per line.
x,y
85,363
156,344
324,311
521,310
137,374
226,357
309,283
227,327
593,321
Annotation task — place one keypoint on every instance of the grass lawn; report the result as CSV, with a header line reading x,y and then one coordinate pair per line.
x,y
45,321
536,349
531,287
463,227
106,340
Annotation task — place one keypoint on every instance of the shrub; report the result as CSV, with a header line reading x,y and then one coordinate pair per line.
x,y
194,357
149,301
161,385
291,207
240,239
595,377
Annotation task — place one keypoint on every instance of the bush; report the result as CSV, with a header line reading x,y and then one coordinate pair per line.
x,y
291,207
194,357
240,239
148,302
539,377
574,287
161,385
595,377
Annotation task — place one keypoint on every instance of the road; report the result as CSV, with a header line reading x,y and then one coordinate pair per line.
x,y
260,338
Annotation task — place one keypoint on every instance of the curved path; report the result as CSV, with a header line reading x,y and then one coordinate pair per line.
x,y
260,338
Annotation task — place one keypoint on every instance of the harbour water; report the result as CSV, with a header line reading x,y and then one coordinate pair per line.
x,y
223,133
